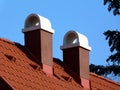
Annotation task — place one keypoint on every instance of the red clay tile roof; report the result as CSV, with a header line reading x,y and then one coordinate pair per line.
x,y
101,83
19,72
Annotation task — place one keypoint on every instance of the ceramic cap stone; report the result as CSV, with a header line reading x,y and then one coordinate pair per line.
x,y
35,21
73,39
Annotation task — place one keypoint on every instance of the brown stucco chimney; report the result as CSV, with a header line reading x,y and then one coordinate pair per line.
x,y
38,40
76,57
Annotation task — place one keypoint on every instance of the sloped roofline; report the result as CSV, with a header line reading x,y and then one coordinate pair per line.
x,y
103,78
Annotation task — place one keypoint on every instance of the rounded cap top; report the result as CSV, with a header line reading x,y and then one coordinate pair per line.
x,y
73,39
35,21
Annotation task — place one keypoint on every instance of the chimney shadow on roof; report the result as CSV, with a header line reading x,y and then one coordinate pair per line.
x,y
68,70
58,61
27,52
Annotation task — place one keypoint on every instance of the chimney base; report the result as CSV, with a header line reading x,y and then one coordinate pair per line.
x,y
85,83
47,69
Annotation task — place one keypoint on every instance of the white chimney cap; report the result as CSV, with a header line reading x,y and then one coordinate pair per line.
x,y
73,39
35,21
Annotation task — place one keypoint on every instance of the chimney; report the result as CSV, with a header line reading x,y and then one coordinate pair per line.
x,y
38,40
76,57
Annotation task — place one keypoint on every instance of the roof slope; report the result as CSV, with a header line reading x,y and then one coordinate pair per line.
x,y
101,83
19,72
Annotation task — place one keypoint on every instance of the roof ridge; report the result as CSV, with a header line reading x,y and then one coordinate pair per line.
x,y
7,41
101,77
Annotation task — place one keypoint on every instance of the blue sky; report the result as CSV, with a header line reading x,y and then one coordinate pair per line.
x,y
90,18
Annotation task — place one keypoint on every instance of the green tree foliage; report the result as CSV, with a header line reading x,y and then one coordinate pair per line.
x,y
105,70
113,5
113,38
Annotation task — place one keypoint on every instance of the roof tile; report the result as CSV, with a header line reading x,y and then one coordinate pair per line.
x,y
103,83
